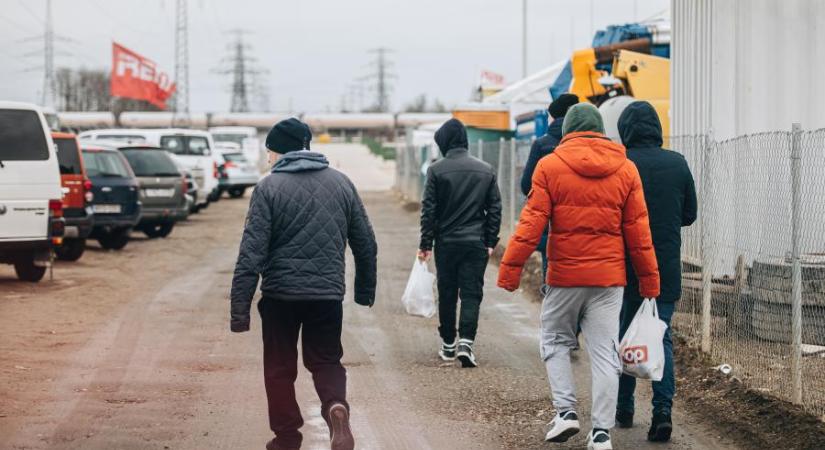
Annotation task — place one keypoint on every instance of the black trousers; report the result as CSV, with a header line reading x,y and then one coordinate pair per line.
x,y
319,323
460,275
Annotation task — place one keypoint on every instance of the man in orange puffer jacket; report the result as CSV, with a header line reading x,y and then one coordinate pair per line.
x,y
592,196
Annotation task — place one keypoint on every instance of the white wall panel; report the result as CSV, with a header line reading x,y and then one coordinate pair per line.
x,y
747,66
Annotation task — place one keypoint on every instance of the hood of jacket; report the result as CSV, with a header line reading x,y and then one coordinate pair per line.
x,y
555,127
590,154
639,126
451,135
301,161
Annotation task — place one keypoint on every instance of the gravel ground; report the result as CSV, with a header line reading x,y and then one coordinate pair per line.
x,y
132,350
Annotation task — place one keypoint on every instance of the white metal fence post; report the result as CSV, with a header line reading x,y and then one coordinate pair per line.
x,y
707,257
796,274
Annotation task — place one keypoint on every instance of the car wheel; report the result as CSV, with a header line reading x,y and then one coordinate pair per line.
x,y
27,271
71,249
237,192
115,239
159,230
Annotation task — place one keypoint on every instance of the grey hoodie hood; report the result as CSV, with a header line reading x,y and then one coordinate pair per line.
x,y
301,161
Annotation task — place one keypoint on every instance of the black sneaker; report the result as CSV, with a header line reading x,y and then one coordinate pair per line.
x,y
660,428
465,353
447,352
272,445
624,419
340,432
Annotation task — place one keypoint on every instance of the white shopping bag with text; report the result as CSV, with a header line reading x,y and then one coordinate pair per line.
x,y
418,297
642,350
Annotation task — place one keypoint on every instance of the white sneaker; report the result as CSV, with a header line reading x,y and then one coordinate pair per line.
x,y
599,440
447,352
563,427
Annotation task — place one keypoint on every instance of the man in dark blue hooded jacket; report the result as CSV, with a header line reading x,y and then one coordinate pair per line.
x,y
542,147
671,202
461,214
301,219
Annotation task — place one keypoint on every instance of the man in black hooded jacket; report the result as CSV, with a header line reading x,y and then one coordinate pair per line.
x,y
301,218
461,213
670,196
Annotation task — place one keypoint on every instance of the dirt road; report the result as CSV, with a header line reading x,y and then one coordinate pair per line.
x,y
132,350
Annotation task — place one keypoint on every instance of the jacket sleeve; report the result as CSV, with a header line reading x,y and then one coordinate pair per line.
x,y
691,205
530,167
251,258
531,225
492,221
636,230
361,240
428,208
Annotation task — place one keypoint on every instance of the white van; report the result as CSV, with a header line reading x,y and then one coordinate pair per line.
x,y
30,193
246,137
193,149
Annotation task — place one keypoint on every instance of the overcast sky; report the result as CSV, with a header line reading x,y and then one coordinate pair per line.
x,y
313,50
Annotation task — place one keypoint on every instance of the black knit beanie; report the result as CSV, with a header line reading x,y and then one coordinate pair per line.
x,y
560,105
288,135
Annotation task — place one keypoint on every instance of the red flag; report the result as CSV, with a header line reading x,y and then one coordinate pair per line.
x,y
138,78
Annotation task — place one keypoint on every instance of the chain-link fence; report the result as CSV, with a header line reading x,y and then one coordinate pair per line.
x,y
753,264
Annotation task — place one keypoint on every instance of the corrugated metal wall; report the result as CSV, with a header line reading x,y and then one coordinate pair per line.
x,y
747,66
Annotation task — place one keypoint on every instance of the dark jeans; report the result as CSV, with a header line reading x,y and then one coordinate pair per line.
x,y
664,390
319,323
460,275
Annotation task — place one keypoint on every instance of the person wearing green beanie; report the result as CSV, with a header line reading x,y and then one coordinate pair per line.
x,y
582,117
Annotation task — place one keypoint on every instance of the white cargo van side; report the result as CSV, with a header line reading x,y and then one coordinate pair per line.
x,y
30,191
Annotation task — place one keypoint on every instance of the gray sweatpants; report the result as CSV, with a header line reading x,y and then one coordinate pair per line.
x,y
597,310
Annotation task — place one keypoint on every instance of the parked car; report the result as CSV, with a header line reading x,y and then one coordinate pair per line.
x,y
77,194
193,148
246,138
236,174
115,201
162,189
31,212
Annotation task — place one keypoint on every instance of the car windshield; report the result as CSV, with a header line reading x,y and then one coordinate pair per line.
x,y
198,145
21,136
151,163
234,157
234,138
185,145
105,164
68,156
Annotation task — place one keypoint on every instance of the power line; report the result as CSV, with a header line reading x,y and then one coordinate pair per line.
x,y
31,13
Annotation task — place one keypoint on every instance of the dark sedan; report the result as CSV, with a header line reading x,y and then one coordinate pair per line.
x,y
115,203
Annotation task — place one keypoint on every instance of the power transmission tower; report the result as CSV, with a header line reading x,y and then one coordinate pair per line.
x,y
381,77
245,77
181,103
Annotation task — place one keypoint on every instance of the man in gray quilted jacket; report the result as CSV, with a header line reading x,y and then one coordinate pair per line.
x,y
301,218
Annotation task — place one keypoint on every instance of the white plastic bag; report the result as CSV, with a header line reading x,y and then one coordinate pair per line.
x,y
642,350
418,297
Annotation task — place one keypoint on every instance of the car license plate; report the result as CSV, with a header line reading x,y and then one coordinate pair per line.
x,y
106,209
159,192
